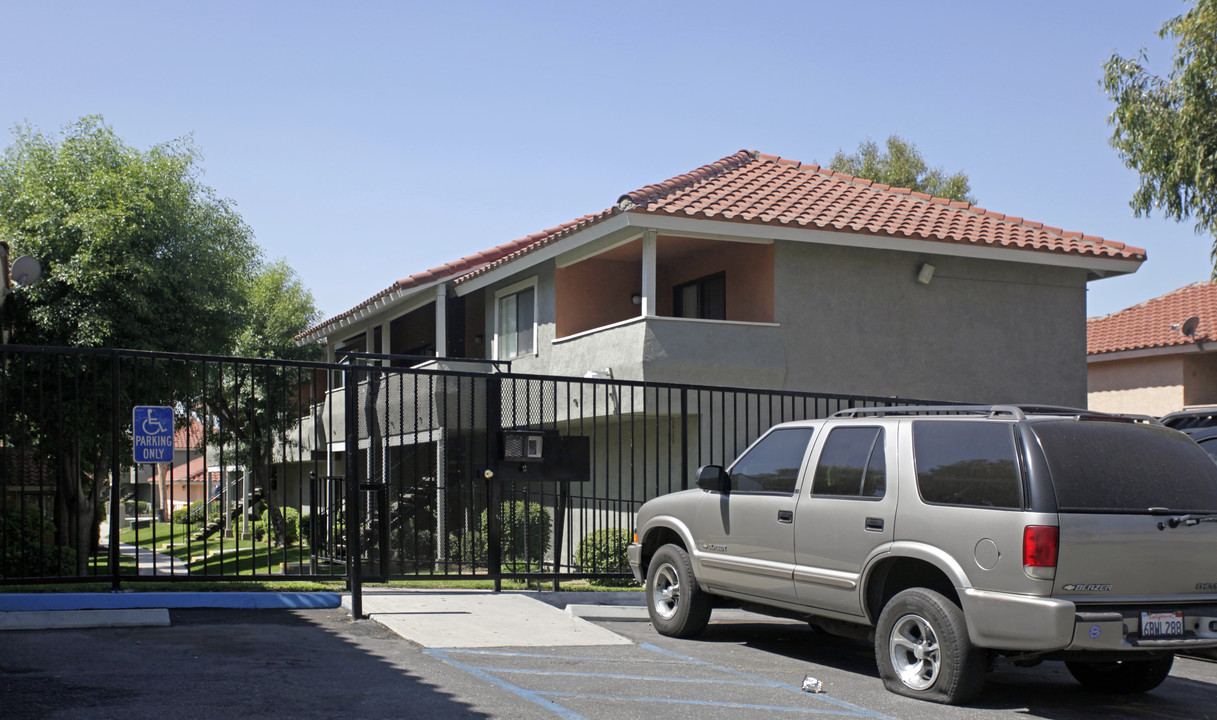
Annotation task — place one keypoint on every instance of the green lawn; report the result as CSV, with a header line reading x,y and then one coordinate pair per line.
x,y
217,555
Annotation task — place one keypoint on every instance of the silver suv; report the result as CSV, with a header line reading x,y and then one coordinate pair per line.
x,y
954,537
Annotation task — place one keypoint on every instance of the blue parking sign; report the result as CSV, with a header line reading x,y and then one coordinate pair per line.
x,y
152,434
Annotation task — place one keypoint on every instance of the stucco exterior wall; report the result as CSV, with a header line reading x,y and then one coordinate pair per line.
x,y
857,321
853,320
1154,384
1200,379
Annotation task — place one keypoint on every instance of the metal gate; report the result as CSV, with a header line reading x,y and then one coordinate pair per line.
x,y
375,468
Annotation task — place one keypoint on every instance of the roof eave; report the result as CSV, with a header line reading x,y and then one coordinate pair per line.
x,y
393,297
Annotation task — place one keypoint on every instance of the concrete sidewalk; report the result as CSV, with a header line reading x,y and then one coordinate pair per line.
x,y
482,618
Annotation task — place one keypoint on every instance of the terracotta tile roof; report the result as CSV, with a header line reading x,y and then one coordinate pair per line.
x,y
191,471
188,437
756,188
1148,325
23,468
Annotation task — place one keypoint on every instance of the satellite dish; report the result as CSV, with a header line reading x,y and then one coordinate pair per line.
x,y
1189,326
25,271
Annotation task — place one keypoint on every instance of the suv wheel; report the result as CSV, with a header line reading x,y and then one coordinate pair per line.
x,y
677,606
923,649
1122,676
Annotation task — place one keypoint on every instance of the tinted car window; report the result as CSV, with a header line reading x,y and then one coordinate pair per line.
x,y
772,465
967,463
852,464
1108,466
1210,447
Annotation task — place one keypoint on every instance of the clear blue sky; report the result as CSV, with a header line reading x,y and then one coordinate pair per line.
x,y
364,142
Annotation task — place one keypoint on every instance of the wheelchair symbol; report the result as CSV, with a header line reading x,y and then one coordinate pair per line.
x,y
153,425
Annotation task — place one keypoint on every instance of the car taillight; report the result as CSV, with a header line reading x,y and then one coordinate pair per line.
x,y
1040,545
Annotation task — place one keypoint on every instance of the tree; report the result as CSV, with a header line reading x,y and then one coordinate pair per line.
x,y
901,165
136,253
1166,129
256,404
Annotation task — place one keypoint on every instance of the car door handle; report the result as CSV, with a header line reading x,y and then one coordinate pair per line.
x,y
874,524
785,516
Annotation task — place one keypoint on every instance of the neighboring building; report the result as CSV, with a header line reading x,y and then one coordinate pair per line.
x,y
762,272
1149,359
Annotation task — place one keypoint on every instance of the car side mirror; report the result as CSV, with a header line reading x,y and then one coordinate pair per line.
x,y
714,478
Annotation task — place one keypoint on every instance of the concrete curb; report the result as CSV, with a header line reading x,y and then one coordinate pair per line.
x,y
629,613
75,619
40,602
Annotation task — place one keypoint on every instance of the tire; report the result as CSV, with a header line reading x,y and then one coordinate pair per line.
x,y
678,607
923,649
1123,677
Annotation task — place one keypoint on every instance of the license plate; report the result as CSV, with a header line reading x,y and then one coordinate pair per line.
x,y
1162,624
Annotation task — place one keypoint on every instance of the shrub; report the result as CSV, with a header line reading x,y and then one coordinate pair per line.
x,y
198,512
411,545
264,528
526,534
604,551
23,550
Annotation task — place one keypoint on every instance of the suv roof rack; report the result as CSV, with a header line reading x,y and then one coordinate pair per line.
x,y
1016,412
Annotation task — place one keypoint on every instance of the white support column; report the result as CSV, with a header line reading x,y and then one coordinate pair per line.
x,y
441,321
385,343
648,274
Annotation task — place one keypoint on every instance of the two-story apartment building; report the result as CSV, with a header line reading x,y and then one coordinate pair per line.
x,y
750,272
763,272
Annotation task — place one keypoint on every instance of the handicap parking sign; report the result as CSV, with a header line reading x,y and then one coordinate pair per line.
x,y
152,434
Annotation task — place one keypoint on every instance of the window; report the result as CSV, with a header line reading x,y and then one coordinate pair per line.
x,y
515,318
967,463
772,465
852,464
704,298
1112,466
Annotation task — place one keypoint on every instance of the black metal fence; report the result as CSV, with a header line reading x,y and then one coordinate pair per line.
x,y
362,470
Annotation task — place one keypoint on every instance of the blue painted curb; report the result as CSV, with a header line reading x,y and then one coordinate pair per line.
x,y
24,602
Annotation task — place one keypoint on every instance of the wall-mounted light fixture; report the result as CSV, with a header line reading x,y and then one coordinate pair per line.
x,y
636,299
925,273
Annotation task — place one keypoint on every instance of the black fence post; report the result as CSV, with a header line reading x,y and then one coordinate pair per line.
x,y
115,468
494,532
353,520
684,440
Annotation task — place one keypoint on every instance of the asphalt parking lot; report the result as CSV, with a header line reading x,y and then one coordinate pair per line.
x,y
319,664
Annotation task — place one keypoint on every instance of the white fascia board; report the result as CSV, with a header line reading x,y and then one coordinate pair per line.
x,y
1147,353
398,301
549,252
709,228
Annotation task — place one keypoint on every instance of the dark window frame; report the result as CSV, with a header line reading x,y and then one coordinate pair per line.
x,y
702,284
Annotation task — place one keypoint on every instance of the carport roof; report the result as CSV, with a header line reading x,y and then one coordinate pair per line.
x,y
1148,325
755,188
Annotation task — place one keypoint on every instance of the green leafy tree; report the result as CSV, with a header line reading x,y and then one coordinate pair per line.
x,y
136,253
257,404
1166,129
899,164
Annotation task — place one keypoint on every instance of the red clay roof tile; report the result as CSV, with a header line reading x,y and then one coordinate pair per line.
x,y
757,188
1148,325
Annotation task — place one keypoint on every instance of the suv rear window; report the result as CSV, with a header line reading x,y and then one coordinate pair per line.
x,y
963,462
1123,467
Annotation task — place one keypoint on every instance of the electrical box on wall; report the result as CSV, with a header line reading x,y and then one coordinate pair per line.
x,y
544,456
523,446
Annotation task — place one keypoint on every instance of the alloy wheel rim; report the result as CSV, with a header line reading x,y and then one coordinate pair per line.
x,y
914,651
665,595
